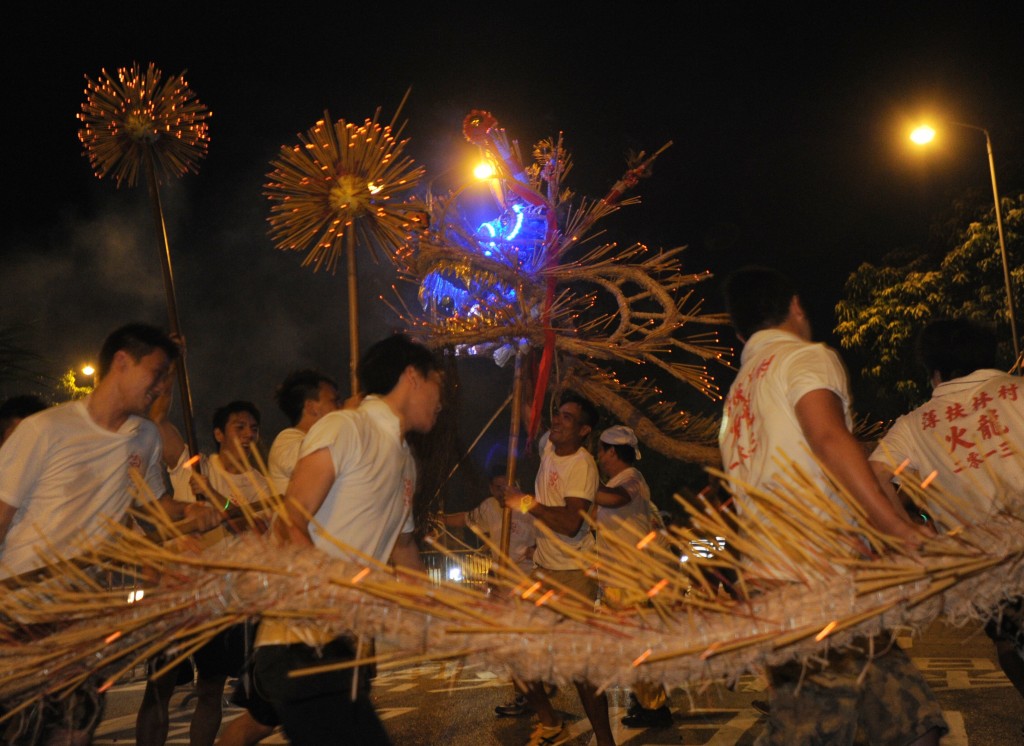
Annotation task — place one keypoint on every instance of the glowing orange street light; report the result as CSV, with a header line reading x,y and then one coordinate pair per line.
x,y
88,370
924,135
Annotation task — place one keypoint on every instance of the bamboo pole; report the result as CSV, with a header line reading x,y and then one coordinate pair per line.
x,y
510,470
172,306
353,310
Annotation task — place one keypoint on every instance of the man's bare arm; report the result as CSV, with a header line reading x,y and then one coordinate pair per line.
x,y
820,414
565,520
612,497
406,554
205,516
6,516
883,473
307,490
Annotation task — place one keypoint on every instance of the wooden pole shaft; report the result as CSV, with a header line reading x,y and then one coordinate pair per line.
x,y
172,307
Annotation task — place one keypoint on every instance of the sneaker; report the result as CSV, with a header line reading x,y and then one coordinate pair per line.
x,y
546,735
514,708
643,718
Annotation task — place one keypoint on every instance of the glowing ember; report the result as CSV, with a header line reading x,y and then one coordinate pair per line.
x,y
826,631
338,181
132,116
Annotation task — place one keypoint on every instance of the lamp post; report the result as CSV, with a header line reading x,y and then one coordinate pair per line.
x,y
922,136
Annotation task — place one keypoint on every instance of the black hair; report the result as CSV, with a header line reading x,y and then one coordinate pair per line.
x,y
956,347
223,414
297,388
499,469
757,298
383,364
138,340
625,452
590,413
20,407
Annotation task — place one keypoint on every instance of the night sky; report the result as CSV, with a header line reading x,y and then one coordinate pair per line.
x,y
789,130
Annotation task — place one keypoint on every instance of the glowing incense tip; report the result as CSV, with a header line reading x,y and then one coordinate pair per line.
x,y
901,467
657,588
112,637
360,575
191,462
642,657
826,631
929,479
646,540
710,651
531,590
544,599
106,685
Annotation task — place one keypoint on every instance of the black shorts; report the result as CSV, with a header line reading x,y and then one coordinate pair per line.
x,y
224,655
247,697
319,708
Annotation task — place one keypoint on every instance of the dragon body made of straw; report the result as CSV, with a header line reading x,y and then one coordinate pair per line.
x,y
841,581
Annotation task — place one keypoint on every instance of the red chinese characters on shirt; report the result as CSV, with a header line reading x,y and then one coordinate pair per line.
x,y
973,436
741,418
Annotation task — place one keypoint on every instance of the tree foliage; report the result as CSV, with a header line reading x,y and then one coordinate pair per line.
x,y
885,306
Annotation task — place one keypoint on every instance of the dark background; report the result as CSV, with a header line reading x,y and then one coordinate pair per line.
x,y
789,134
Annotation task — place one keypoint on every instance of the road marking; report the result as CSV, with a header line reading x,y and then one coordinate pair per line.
x,y
730,733
957,735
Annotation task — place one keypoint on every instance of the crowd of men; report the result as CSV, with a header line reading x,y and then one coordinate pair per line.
x,y
65,473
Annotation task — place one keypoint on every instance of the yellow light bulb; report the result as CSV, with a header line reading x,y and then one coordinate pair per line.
x,y
484,170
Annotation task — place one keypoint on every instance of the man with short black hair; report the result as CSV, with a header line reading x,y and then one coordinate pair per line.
x,y
790,403
565,486
970,435
356,476
66,469
304,397
971,431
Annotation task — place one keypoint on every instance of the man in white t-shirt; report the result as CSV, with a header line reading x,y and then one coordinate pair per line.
x,y
304,397
624,514
228,478
624,501
66,469
565,486
969,435
230,471
356,475
487,518
790,403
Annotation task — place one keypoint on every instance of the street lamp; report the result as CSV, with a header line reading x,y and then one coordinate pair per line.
x,y
924,135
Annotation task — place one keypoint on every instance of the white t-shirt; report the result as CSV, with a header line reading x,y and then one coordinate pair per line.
x,y
284,454
636,513
522,532
370,502
67,476
250,486
970,433
760,433
560,477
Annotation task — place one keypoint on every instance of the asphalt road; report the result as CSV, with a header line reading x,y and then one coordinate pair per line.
x,y
436,704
